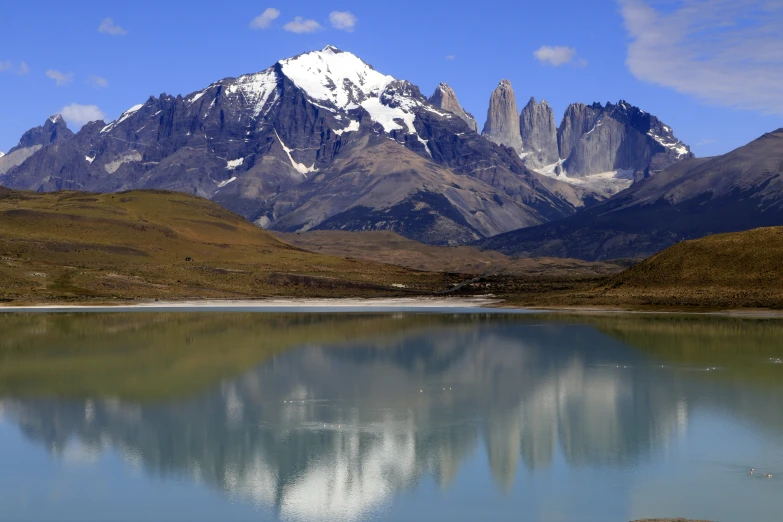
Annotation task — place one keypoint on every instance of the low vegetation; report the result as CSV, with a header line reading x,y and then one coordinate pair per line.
x,y
84,247
389,247
112,248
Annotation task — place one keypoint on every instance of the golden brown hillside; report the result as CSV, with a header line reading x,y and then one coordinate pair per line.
x,y
155,244
735,269
389,247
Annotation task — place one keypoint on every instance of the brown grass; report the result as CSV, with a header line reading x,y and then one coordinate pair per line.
x,y
71,246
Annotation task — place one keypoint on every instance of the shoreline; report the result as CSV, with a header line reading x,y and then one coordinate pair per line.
x,y
367,305
352,305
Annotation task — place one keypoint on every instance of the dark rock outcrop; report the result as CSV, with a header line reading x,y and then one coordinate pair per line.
x,y
54,130
445,98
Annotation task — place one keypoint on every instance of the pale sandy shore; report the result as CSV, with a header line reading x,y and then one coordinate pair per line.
x,y
281,304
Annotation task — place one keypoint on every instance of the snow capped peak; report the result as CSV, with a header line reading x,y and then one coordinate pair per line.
x,y
2,153
55,118
124,116
335,76
331,49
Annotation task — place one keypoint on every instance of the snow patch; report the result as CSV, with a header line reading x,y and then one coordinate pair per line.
x,y
300,167
605,183
197,96
89,159
352,127
677,146
233,164
224,183
255,89
112,167
124,116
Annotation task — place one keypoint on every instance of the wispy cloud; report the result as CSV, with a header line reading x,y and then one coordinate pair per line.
x,y
109,27
60,78
557,55
300,25
450,57
97,81
265,19
723,52
8,66
77,114
342,20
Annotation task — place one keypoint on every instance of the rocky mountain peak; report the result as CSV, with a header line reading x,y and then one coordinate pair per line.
x,y
53,130
445,98
333,76
616,137
502,125
538,133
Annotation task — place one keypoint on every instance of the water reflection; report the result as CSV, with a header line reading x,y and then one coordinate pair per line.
x,y
337,429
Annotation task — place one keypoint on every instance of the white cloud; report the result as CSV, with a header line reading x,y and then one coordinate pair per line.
x,y
21,70
300,25
97,81
109,27
77,115
342,20
450,57
265,19
60,78
556,55
723,52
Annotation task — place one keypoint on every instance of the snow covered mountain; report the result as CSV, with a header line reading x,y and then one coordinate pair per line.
x,y
320,140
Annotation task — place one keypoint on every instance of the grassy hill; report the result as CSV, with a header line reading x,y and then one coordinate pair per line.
x,y
734,269
720,272
155,244
389,247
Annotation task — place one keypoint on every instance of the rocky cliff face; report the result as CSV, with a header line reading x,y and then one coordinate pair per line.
x,y
445,98
502,125
539,133
320,140
596,138
692,198
54,130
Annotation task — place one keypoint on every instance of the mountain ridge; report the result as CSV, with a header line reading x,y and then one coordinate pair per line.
x,y
737,191
270,146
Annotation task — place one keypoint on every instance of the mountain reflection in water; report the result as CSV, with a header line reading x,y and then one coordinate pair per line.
x,y
336,430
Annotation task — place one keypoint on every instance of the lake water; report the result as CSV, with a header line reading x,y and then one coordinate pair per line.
x,y
456,417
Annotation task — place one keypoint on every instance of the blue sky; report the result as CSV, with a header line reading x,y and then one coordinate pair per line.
x,y
712,69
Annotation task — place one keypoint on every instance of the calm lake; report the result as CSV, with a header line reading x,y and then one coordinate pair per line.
x,y
455,417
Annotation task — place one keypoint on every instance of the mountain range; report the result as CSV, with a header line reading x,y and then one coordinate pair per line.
x,y
324,141
696,197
